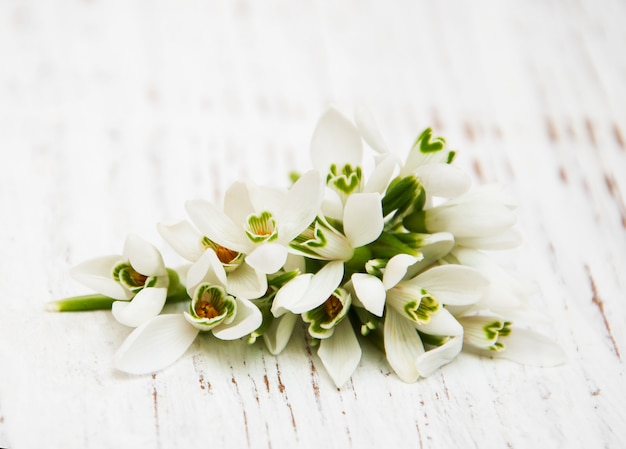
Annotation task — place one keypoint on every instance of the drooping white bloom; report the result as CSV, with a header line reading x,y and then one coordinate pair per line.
x,y
138,279
428,159
362,223
162,340
491,335
502,323
506,294
324,306
481,218
417,305
260,222
337,152
187,241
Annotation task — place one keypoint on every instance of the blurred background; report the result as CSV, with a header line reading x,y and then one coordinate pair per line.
x,y
113,113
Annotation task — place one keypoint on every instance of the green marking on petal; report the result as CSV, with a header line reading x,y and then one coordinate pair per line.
x,y
347,180
506,329
495,330
211,306
323,319
315,238
426,145
261,228
134,281
433,340
421,311
376,267
229,258
497,347
367,321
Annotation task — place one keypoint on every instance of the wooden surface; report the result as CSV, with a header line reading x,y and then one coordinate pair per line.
x,y
112,114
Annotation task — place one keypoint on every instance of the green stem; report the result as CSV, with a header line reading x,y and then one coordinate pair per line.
x,y
176,292
81,303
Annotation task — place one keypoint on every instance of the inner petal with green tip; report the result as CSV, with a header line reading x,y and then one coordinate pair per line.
x,y
495,330
130,278
230,259
422,309
212,306
261,228
345,180
323,319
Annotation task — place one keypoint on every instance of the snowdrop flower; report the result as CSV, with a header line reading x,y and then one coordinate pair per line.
x,y
260,222
324,306
137,279
162,340
362,223
498,325
188,242
415,306
492,335
337,151
507,294
428,160
482,218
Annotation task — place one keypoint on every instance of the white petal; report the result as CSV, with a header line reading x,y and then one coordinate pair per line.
x,y
507,239
247,320
279,333
530,348
146,304
397,268
443,180
267,258
470,220
432,360
207,268
237,203
295,262
363,218
246,282
453,284
335,141
370,291
97,274
143,256
403,345
416,158
302,205
382,174
290,294
441,323
433,247
340,353
368,127
332,206
155,344
267,199
183,238
322,286
217,226
500,278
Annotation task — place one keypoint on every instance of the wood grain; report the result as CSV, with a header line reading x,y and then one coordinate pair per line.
x,y
112,114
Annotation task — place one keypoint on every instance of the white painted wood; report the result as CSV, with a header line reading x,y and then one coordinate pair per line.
x,y
112,114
